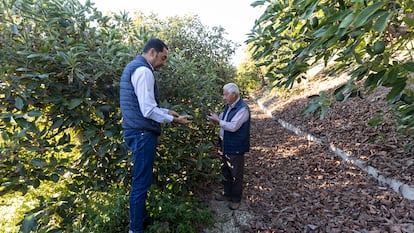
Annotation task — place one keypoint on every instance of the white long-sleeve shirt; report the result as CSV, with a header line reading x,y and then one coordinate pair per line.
x,y
236,122
143,82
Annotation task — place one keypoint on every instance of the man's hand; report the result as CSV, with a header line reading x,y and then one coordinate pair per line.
x,y
214,117
182,120
173,113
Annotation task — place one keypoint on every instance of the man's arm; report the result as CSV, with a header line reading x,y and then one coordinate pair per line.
x,y
236,122
143,82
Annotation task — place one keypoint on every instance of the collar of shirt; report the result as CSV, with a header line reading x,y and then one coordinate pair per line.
x,y
152,68
234,104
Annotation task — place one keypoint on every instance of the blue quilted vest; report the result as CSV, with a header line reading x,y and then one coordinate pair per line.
x,y
132,118
236,142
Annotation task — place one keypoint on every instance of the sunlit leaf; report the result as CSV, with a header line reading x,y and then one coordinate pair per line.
x,y
34,55
258,3
382,22
22,69
29,224
348,20
364,15
311,108
373,79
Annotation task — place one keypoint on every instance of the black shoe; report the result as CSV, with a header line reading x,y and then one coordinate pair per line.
x,y
234,205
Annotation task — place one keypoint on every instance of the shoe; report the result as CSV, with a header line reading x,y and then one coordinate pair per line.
x,y
234,205
221,197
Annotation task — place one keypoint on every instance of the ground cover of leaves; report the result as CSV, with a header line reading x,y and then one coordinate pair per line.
x,y
294,185
347,126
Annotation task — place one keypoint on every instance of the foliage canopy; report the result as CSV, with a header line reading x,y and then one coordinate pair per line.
x,y
372,40
59,106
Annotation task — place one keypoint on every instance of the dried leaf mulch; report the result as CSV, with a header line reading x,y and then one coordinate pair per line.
x,y
293,185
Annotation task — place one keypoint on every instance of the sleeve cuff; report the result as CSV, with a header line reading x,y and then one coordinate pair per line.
x,y
170,118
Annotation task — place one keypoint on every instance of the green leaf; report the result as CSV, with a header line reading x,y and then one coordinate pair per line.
x,y
14,29
409,21
74,103
38,162
22,122
34,55
396,91
36,183
311,108
348,19
99,114
310,9
376,119
22,69
34,113
373,79
42,76
409,66
342,4
54,177
109,133
258,3
325,32
382,22
406,98
364,15
391,78
339,96
29,224
340,89
57,123
18,102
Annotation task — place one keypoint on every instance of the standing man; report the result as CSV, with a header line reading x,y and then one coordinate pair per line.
x,y
142,118
234,142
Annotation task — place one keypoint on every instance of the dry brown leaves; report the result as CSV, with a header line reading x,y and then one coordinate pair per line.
x,y
293,185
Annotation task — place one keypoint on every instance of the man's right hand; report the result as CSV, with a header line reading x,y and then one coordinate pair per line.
x,y
214,117
182,120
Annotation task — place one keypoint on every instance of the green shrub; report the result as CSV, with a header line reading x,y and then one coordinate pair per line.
x,y
174,213
59,109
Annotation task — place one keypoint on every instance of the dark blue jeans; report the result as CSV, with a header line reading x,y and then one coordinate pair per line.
x,y
143,145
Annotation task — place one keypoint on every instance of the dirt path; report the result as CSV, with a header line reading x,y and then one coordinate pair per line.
x,y
293,185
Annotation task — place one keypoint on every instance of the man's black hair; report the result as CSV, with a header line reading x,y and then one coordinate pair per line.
x,y
155,43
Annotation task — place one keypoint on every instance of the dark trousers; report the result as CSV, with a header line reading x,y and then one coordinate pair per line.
x,y
232,169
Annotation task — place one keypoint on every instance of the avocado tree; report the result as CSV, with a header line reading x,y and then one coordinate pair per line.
x,y
372,38
60,67
60,62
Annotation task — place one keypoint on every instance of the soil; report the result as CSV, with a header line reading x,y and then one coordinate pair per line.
x,y
296,185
